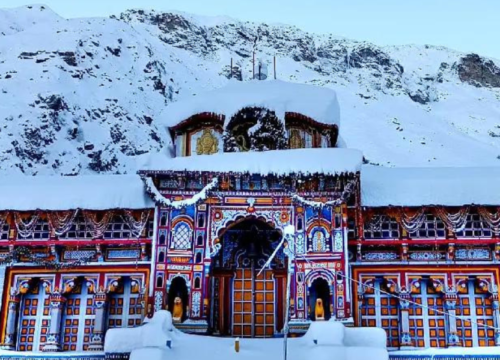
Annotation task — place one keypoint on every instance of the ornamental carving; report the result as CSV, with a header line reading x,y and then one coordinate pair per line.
x,y
207,143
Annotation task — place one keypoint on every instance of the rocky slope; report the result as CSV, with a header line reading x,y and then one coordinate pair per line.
x,y
88,95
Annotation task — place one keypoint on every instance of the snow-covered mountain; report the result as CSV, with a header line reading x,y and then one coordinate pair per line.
x,y
89,95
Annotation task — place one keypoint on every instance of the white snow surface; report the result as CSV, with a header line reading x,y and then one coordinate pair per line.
x,y
318,103
120,76
279,162
331,343
92,192
429,186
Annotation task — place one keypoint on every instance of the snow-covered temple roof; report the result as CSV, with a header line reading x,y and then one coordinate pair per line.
x,y
382,186
92,192
278,162
318,103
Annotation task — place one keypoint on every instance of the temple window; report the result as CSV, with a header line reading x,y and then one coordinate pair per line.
x,y
78,318
381,227
201,220
78,230
431,227
181,236
40,230
4,231
125,309
150,228
427,316
34,319
197,283
351,228
476,304
381,310
199,239
319,240
198,258
162,240
161,257
475,227
117,229
159,281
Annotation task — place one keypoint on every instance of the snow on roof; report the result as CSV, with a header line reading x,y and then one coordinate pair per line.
x,y
318,103
91,192
460,186
278,162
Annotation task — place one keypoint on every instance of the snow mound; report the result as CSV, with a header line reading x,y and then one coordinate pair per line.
x,y
278,162
90,192
318,103
153,334
429,186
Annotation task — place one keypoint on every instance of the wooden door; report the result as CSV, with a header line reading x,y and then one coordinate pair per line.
x,y
253,311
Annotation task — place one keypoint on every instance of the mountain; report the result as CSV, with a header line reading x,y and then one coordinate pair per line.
x,y
88,95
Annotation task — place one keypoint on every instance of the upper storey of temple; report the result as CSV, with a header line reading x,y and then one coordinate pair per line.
x,y
254,116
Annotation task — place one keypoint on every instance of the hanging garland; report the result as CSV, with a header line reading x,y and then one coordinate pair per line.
x,y
26,253
136,227
454,222
412,222
61,221
159,199
348,190
97,227
491,219
26,230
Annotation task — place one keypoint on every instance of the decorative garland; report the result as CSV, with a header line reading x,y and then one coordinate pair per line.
x,y
136,227
26,230
413,222
348,190
159,199
62,221
454,222
97,227
25,252
492,220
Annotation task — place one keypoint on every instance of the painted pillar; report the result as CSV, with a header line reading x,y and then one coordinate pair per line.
x,y
450,298
53,343
97,339
404,317
496,317
11,326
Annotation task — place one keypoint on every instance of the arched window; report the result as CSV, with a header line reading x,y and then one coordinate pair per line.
x,y
198,258
201,220
163,238
163,219
159,281
197,283
181,236
199,240
161,257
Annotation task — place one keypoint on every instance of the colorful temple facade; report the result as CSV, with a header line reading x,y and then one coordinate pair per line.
x,y
414,251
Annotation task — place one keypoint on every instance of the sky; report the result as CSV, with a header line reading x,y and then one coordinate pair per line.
x,y
465,25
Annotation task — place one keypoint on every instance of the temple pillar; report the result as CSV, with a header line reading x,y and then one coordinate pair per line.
x,y
11,325
97,339
53,343
496,317
404,318
450,298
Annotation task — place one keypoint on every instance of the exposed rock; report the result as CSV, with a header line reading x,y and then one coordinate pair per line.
x,y
478,71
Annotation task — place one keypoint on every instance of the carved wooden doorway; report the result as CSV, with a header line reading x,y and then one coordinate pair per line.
x,y
253,303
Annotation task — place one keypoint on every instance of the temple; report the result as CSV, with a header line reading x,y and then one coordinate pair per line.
x,y
415,251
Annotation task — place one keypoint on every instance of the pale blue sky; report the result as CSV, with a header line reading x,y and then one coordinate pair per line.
x,y
466,25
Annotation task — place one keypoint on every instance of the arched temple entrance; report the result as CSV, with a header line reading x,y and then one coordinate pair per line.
x,y
319,300
247,304
178,298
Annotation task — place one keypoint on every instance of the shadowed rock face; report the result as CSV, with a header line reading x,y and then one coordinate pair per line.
x,y
478,71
